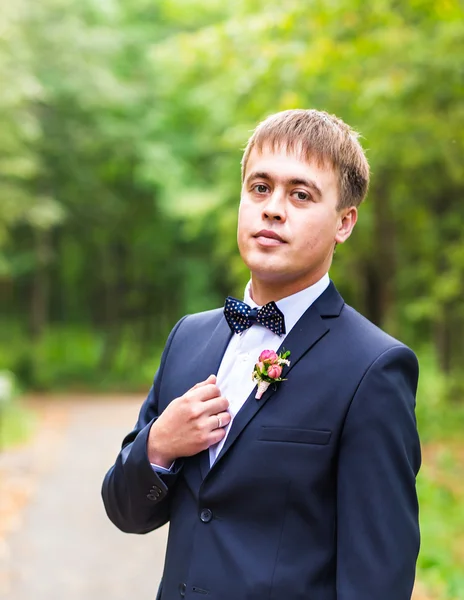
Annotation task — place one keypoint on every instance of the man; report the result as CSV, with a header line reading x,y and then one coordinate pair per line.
x,y
307,493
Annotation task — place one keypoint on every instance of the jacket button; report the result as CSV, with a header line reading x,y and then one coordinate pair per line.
x,y
182,588
151,497
206,515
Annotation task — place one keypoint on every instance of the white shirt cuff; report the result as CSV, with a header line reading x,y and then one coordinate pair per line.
x,y
159,469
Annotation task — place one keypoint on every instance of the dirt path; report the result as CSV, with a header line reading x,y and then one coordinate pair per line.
x,y
55,539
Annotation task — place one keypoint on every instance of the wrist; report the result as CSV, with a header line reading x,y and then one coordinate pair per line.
x,y
157,455
160,460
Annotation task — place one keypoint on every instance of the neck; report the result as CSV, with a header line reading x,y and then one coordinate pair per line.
x,y
263,292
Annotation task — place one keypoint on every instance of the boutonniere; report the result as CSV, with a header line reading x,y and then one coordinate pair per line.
x,y
268,369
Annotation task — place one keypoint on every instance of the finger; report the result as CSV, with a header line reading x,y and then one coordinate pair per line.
x,y
220,420
210,379
216,436
207,392
216,406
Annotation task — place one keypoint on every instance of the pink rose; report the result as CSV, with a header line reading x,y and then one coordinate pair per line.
x,y
269,356
274,371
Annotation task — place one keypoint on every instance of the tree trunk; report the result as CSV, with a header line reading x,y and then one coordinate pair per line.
x,y
111,263
380,266
39,300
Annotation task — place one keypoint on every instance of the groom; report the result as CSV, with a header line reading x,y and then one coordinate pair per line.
x,y
307,493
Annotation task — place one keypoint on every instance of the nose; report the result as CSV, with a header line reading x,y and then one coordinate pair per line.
x,y
274,209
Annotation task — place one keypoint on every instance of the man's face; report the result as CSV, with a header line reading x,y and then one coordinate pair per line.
x,y
288,219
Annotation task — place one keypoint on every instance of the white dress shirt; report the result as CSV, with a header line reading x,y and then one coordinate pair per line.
x,y
234,377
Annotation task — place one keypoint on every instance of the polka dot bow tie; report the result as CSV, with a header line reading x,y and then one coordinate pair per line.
x,y
240,316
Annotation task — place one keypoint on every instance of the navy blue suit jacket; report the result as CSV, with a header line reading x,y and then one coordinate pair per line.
x,y
313,495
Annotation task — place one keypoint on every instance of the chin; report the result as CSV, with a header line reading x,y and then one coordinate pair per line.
x,y
269,273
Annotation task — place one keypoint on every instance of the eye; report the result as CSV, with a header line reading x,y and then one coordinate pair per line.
x,y
302,196
260,188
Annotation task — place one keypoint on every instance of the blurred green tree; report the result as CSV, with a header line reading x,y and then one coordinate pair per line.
x,y
122,129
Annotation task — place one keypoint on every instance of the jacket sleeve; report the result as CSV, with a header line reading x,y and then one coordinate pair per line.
x,y
377,509
136,498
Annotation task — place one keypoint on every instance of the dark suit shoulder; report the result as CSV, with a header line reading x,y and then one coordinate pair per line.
x,y
202,321
206,317
196,328
363,338
360,340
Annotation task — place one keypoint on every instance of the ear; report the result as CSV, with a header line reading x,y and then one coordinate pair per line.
x,y
347,221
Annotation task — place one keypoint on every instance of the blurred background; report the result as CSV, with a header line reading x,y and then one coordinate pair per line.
x,y
122,126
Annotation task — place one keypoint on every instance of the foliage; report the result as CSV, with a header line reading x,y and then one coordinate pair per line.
x,y
121,129
70,357
440,483
438,419
441,492
15,423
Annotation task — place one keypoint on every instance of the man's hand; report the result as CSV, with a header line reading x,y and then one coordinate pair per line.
x,y
189,424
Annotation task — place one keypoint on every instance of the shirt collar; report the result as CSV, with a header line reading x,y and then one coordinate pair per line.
x,y
295,305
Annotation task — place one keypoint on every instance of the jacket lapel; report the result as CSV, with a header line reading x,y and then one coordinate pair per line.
x,y
311,327
210,357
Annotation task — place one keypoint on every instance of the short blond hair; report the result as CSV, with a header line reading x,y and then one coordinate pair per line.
x,y
316,135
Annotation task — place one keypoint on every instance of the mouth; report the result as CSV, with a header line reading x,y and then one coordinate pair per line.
x,y
266,237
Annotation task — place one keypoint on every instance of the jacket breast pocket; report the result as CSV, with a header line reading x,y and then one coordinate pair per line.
x,y
294,435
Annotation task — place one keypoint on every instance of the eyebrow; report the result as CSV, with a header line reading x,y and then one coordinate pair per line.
x,y
293,181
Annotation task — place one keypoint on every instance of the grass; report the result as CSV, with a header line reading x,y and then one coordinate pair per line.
x,y
441,496
440,485
16,424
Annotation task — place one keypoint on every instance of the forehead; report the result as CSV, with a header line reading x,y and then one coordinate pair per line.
x,y
281,165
